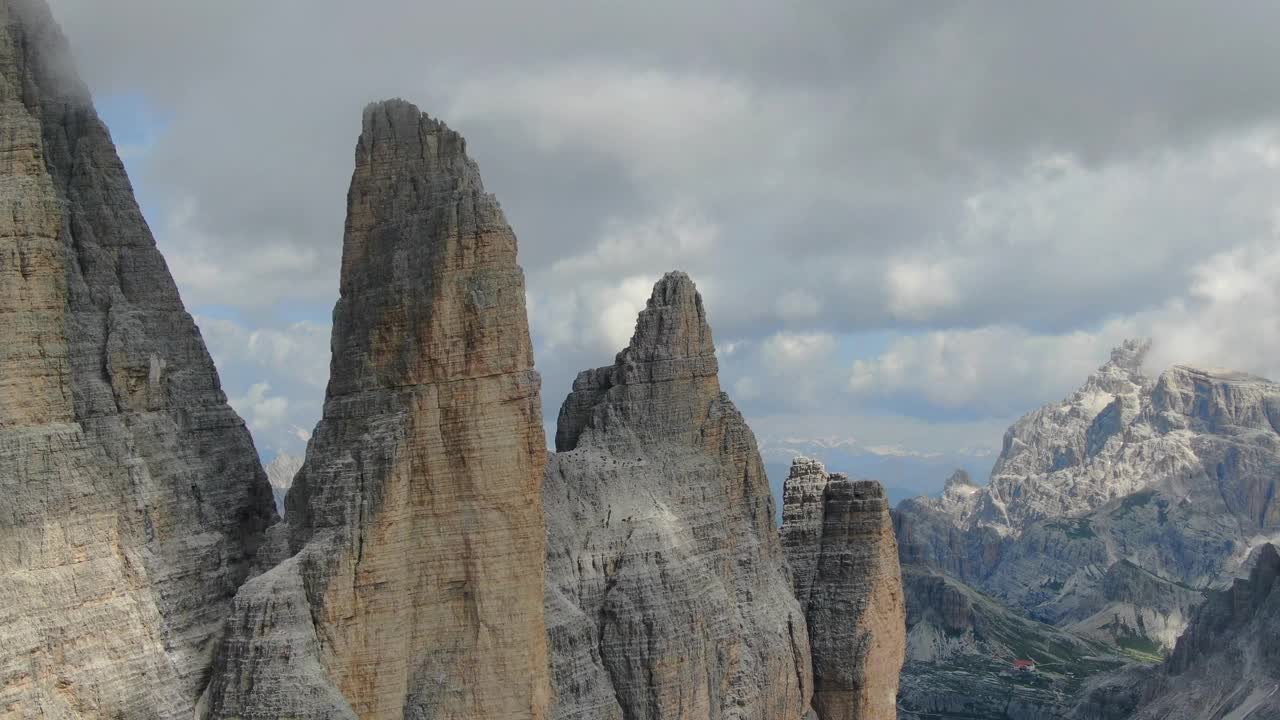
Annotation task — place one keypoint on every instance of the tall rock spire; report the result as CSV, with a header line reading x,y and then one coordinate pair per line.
x,y
416,519
667,591
839,540
132,497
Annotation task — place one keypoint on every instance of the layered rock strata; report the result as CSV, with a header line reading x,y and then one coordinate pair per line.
x,y
839,541
131,496
667,590
415,582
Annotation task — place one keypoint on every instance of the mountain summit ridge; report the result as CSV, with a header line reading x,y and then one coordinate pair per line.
x,y
1177,475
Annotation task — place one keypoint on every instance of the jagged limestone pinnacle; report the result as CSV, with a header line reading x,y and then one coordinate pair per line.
x,y
667,595
416,521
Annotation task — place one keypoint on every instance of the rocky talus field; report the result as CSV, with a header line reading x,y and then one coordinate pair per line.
x,y
433,561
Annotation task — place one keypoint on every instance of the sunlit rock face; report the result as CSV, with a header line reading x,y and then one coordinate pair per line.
x,y
667,591
415,526
1110,513
844,560
131,497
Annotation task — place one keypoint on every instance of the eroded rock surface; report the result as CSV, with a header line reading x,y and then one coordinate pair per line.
x,y
839,540
415,585
131,496
667,591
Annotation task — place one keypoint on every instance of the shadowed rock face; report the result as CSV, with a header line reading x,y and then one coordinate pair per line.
x,y
415,585
667,593
131,497
839,540
1226,664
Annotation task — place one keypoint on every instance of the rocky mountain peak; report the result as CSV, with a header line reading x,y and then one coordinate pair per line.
x,y
1213,400
422,234
673,324
959,480
660,386
667,589
416,522
1130,355
280,473
1122,374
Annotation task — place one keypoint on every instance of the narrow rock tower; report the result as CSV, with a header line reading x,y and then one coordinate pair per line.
x,y
844,559
667,591
131,497
415,588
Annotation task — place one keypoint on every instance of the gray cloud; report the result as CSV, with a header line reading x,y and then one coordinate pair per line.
x,y
1029,171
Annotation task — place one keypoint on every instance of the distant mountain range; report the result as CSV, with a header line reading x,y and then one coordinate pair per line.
x,y
1110,515
280,472
904,473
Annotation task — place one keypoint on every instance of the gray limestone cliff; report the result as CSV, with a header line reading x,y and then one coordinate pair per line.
x,y
413,585
667,590
844,560
131,496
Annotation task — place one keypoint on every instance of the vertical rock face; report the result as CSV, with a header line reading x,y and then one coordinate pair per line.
x,y
839,540
667,590
803,508
131,497
416,584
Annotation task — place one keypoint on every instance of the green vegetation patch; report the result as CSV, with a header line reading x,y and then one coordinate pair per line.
x,y
1141,648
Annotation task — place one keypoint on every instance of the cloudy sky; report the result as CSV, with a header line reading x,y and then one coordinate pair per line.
x,y
911,222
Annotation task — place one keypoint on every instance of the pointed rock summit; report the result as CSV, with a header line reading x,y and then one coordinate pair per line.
x,y
659,387
280,473
415,526
133,499
839,541
959,481
667,590
1109,512
803,494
